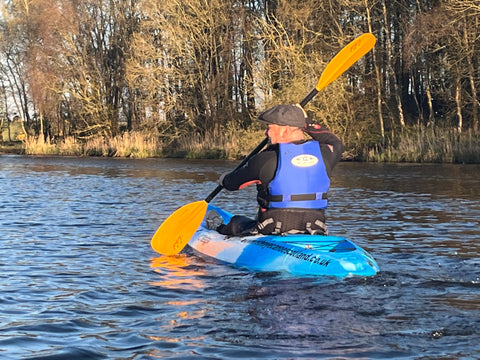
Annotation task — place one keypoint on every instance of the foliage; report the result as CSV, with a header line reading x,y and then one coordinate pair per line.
x,y
195,73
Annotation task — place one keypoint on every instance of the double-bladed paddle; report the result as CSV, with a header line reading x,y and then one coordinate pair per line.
x,y
175,232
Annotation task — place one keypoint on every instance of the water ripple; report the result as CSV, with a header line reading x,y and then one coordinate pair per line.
x,y
78,279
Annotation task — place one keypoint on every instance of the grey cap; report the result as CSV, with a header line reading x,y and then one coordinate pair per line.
x,y
284,115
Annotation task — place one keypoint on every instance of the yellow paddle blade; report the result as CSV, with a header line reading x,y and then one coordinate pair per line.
x,y
177,230
346,58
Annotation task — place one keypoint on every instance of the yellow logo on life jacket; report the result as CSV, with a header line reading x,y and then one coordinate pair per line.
x,y
304,160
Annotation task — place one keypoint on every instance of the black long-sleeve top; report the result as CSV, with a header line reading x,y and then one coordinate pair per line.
x,y
261,168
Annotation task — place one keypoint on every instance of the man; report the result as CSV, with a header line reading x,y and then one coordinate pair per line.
x,y
292,177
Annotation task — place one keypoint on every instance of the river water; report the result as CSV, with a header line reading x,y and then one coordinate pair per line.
x,y
78,279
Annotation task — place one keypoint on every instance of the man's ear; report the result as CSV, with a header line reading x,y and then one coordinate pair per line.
x,y
284,130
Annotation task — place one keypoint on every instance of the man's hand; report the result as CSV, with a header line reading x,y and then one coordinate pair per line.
x,y
220,179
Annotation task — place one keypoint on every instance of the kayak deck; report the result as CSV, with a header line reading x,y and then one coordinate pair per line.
x,y
299,254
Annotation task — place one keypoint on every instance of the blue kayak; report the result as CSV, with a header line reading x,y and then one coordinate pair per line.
x,y
299,254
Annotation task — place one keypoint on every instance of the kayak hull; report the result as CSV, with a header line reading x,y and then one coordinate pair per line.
x,y
299,254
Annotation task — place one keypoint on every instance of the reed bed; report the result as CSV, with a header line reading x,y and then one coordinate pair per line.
x,y
38,146
430,145
231,144
416,145
129,144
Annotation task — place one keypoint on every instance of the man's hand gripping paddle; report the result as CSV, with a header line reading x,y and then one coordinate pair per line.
x,y
176,231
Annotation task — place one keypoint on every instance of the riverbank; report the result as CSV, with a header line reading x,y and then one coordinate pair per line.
x,y
12,148
429,145
415,145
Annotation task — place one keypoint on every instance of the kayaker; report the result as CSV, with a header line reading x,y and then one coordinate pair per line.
x,y
292,176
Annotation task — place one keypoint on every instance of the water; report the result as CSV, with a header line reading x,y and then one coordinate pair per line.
x,y
78,279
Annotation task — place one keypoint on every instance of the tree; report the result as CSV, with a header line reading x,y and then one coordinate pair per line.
x,y
200,66
465,32
442,42
192,64
94,61
14,49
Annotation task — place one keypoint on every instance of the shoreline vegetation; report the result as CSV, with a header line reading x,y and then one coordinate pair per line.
x,y
188,79
419,144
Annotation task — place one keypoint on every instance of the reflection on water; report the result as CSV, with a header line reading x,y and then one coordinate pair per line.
x,y
175,272
79,280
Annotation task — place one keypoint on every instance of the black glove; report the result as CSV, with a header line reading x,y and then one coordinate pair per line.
x,y
220,179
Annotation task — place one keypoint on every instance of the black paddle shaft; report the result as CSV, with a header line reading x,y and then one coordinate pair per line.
x,y
309,97
244,161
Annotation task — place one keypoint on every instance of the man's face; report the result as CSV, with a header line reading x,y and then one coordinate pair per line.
x,y
274,132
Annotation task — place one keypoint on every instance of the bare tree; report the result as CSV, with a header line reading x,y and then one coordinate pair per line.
x,y
14,50
86,67
465,32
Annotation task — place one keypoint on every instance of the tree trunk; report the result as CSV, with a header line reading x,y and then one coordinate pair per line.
x,y
471,77
458,100
415,98
428,91
378,77
393,75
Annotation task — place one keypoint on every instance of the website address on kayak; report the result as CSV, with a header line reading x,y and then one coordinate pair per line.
x,y
314,259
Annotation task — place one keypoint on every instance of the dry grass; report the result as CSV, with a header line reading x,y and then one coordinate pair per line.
x,y
70,147
129,144
415,145
37,146
134,145
430,145
232,144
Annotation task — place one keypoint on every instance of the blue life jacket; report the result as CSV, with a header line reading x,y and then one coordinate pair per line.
x,y
301,179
